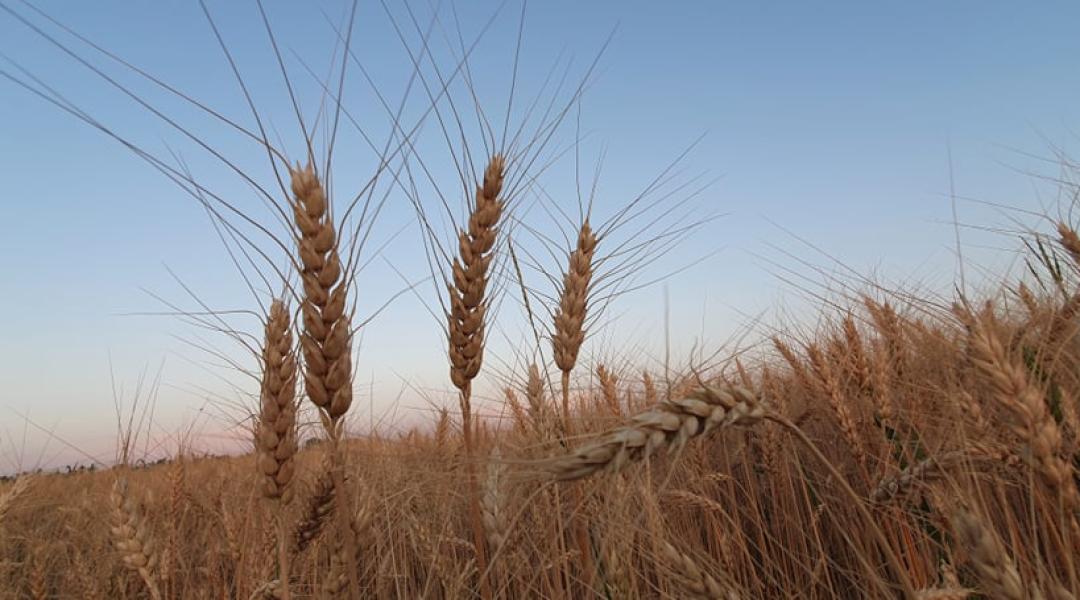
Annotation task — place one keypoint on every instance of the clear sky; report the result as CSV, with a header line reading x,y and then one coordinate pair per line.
x,y
832,121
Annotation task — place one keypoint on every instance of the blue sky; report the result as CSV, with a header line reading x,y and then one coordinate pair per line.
x,y
834,121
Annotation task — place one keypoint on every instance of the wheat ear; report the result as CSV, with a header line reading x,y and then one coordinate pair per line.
x,y
839,403
995,569
609,389
695,582
16,490
493,502
275,441
467,313
671,424
326,341
923,471
132,537
468,290
276,437
1024,402
534,393
316,512
572,310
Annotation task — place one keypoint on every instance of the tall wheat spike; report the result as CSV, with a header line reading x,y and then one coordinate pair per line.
x,y
466,318
572,310
275,440
276,437
326,341
468,290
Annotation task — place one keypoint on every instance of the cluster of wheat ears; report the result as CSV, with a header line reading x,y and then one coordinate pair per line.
x,y
907,448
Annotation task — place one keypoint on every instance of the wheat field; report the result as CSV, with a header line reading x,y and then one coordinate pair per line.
x,y
911,446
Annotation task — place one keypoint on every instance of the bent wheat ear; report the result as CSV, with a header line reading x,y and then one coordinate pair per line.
x,y
132,537
671,424
276,438
317,511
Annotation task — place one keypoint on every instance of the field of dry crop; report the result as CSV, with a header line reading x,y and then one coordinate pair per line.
x,y
910,447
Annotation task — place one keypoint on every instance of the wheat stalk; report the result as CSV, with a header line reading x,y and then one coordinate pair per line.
x,y
327,338
466,318
275,440
946,593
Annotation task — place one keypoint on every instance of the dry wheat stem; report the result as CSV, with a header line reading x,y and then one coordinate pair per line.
x,y
467,315
897,568
943,594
